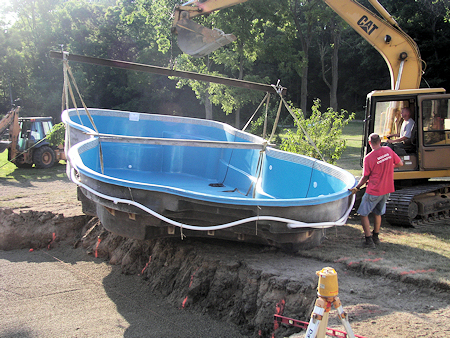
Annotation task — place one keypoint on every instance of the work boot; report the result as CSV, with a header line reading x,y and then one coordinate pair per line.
x,y
368,243
375,238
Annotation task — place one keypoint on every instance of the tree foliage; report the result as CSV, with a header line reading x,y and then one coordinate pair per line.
x,y
323,129
57,134
294,41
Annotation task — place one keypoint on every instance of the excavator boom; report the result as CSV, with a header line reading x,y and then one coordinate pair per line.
x,y
10,119
400,52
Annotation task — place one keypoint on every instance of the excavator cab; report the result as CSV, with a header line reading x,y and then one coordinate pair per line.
x,y
422,192
429,146
194,39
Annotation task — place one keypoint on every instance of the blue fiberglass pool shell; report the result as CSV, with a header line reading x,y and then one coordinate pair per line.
x,y
185,167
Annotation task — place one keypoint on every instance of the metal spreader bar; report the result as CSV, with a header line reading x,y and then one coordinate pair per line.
x,y
168,72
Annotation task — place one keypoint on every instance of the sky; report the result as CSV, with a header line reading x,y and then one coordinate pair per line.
x,y
9,18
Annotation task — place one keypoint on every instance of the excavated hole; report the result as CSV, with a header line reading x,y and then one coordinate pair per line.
x,y
228,281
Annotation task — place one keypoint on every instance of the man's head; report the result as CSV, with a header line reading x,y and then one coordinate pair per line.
x,y
374,140
406,113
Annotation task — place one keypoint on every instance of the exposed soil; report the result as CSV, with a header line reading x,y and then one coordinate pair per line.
x,y
244,284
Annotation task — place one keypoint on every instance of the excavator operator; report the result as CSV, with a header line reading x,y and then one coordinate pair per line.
x,y
404,137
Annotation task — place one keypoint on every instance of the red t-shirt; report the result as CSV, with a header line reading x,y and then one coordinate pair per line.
x,y
379,167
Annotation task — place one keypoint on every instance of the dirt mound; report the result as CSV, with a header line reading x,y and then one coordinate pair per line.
x,y
37,229
227,282
247,284
209,277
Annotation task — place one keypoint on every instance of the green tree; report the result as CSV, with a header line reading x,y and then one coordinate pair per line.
x,y
323,129
233,60
329,34
200,88
276,40
305,16
248,22
29,71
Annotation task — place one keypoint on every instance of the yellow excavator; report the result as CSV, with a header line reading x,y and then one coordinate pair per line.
x,y
422,185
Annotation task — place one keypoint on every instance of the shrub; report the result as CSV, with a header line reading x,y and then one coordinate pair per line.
x,y
324,129
57,134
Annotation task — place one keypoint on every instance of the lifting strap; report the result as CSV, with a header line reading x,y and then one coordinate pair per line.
x,y
279,90
65,100
301,127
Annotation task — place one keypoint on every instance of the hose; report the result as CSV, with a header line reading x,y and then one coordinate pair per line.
x,y
292,224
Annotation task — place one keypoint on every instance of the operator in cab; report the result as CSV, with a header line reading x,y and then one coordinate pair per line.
x,y
404,136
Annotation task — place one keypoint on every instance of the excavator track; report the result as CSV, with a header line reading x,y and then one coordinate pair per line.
x,y
418,205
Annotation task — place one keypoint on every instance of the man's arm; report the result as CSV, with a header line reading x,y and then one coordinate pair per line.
x,y
398,164
392,135
398,140
361,182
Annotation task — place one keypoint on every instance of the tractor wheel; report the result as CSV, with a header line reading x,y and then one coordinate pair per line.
x,y
44,157
23,165
18,161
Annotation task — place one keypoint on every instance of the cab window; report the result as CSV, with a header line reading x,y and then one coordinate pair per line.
x,y
436,122
388,119
47,125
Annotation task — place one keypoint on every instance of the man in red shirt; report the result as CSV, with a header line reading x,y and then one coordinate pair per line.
x,y
378,171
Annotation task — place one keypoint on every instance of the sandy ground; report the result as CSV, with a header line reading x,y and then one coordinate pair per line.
x,y
64,293
57,195
101,299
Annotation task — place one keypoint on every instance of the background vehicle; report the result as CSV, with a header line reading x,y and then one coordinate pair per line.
x,y
27,143
422,194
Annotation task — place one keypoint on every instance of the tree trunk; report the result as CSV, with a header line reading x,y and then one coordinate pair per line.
x,y
334,70
237,118
304,87
208,103
208,107
305,40
333,84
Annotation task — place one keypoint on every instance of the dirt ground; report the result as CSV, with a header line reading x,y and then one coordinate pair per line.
x,y
385,294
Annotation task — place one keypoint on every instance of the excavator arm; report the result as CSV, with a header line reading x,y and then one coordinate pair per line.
x,y
196,8
400,52
10,121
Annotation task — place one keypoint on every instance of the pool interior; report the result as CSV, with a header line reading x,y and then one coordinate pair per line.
x,y
220,172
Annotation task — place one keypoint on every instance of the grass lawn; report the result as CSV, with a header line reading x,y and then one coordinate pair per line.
x,y
6,168
9,171
350,159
